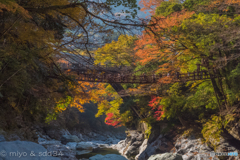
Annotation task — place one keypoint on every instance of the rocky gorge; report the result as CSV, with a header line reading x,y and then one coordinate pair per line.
x,y
174,145
107,146
65,141
68,147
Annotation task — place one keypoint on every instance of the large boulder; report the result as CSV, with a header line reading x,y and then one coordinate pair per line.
x,y
107,157
64,152
69,138
159,145
130,146
142,148
166,156
17,150
133,142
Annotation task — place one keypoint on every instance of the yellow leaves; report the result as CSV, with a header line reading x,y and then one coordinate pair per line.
x,y
116,53
196,83
13,104
103,106
105,97
13,7
28,32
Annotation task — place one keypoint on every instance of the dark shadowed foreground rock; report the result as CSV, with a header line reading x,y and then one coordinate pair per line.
x,y
69,138
2,139
24,150
166,156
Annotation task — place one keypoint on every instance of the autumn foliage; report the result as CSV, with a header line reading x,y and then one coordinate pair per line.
x,y
112,120
158,109
149,5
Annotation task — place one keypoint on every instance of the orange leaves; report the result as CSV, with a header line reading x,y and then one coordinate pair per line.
x,y
149,5
157,42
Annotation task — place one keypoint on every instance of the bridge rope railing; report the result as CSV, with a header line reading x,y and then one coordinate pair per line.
x,y
83,67
142,79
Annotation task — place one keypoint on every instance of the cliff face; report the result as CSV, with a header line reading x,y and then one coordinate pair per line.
x,y
81,123
84,125
190,146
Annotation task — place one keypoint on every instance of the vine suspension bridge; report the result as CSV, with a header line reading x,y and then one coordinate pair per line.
x,y
107,74
115,76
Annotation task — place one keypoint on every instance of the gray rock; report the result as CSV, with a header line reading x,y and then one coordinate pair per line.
x,y
132,150
152,148
2,138
142,148
193,149
53,133
107,157
166,156
130,146
140,137
17,150
62,150
69,138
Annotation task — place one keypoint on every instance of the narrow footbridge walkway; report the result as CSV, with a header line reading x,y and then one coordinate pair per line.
x,y
115,76
123,75
142,79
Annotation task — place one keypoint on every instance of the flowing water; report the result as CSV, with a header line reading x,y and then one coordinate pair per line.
x,y
102,151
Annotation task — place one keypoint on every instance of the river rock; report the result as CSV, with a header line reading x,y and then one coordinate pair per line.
x,y
166,156
69,138
107,157
62,151
17,150
193,149
159,145
130,146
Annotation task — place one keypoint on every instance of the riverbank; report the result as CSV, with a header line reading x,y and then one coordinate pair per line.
x,y
69,147
175,144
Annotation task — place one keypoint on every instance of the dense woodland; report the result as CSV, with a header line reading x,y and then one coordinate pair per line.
x,y
178,36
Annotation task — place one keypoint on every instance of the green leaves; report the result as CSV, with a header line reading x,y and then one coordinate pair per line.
x,y
212,130
168,7
117,53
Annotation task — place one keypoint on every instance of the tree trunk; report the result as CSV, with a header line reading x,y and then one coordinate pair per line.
x,y
183,122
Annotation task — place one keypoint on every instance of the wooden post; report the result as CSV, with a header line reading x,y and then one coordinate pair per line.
x,y
134,78
198,71
198,67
